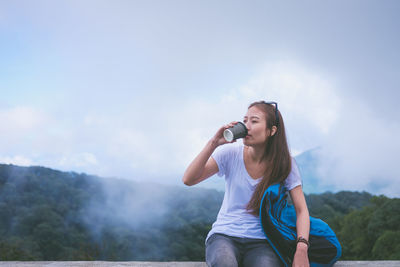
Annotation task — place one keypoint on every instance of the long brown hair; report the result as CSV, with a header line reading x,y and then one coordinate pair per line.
x,y
276,156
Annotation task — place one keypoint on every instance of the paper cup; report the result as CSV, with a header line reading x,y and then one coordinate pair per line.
x,y
239,130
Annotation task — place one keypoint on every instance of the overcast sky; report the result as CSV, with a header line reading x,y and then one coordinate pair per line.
x,y
134,89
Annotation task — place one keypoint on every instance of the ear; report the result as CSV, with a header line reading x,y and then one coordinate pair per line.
x,y
273,130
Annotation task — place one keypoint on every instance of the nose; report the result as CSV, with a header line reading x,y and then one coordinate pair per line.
x,y
247,124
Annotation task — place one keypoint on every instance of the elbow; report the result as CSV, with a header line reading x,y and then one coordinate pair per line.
x,y
186,181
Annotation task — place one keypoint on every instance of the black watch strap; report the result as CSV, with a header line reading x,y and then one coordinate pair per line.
x,y
303,240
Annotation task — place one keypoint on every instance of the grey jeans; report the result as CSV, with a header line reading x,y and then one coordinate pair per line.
x,y
223,250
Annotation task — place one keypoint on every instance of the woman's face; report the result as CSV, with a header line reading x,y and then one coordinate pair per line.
x,y
255,122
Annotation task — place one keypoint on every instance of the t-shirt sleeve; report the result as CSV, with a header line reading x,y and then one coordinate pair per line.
x,y
221,156
294,178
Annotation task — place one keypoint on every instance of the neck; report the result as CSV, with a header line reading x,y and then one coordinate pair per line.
x,y
255,153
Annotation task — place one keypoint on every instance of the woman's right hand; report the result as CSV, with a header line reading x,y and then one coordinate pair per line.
x,y
218,138
204,166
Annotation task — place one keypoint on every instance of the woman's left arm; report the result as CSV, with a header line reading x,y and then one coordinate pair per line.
x,y
302,226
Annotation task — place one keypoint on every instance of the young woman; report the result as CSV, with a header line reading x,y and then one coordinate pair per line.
x,y
236,237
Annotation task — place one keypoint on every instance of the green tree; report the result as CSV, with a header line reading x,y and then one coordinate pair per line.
x,y
356,244
387,247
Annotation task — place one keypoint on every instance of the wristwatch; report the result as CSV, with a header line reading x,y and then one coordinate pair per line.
x,y
303,240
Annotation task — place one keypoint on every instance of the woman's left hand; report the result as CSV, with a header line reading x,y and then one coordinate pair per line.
x,y
301,257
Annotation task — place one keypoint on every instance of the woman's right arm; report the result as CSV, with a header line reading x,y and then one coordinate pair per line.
x,y
204,166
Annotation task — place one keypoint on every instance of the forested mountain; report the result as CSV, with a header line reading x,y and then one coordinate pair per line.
x,y
51,215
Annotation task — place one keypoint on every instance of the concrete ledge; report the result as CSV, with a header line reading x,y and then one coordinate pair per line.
x,y
164,264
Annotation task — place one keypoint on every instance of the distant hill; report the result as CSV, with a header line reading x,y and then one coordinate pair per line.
x,y
308,163
47,214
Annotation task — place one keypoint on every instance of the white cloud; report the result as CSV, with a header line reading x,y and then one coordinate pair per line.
x,y
307,98
21,118
169,140
20,129
303,93
78,160
16,160
162,139
359,149
106,83
361,153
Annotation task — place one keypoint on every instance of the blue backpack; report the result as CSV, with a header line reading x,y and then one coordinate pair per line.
x,y
278,220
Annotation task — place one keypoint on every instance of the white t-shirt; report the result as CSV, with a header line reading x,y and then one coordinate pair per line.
x,y
233,219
